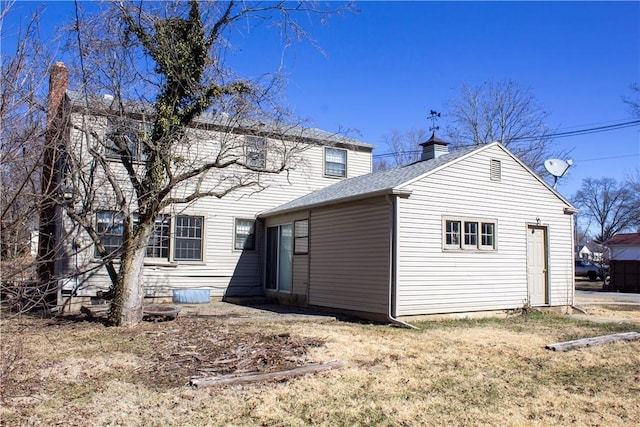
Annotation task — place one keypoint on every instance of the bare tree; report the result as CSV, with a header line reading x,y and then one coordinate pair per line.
x,y
611,206
633,101
501,111
141,150
405,148
23,116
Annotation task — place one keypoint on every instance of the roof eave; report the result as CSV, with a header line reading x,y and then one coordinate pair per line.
x,y
385,192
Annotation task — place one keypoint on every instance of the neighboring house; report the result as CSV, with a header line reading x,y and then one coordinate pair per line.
x,y
624,263
212,243
467,231
591,251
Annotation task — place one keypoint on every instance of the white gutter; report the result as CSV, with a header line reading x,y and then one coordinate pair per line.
x,y
393,262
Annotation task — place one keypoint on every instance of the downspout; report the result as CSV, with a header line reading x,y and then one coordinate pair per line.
x,y
572,303
393,261
307,296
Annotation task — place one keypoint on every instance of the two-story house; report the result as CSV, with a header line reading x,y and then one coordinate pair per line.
x,y
208,243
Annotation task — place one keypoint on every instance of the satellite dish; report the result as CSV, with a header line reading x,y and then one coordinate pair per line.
x,y
557,168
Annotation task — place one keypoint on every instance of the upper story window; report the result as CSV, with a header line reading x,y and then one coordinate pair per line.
x,y
335,162
469,234
124,137
244,234
256,152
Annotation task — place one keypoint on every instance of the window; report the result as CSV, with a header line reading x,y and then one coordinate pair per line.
x,y
301,237
158,246
110,227
469,234
487,235
188,238
245,234
496,170
255,151
335,162
452,234
125,137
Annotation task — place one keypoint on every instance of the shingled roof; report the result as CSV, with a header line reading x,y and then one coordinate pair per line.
x,y
377,183
624,239
224,121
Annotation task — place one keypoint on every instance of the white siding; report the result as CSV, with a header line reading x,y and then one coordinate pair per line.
x,y
625,253
350,256
224,270
432,280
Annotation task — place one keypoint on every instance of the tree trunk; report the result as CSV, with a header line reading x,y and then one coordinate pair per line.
x,y
126,305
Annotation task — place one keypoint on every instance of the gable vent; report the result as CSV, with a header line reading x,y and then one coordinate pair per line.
x,y
496,170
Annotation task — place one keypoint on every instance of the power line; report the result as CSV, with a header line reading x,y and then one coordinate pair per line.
x,y
608,158
565,134
584,131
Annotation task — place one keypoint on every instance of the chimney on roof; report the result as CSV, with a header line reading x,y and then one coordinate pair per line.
x,y
49,178
58,83
433,148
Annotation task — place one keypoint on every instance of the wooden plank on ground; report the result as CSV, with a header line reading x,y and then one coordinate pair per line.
x,y
586,342
270,376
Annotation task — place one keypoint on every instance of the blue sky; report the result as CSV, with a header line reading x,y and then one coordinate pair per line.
x,y
387,66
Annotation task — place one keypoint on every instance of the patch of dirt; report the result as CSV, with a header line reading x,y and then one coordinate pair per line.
x,y
196,348
167,354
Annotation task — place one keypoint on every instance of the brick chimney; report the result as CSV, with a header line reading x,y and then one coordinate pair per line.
x,y
58,83
433,148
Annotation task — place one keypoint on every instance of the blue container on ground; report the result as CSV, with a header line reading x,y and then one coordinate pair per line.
x,y
191,296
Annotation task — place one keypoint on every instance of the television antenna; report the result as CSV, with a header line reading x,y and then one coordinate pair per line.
x,y
558,168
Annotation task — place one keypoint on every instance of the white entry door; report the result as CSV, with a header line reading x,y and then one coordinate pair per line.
x,y
537,265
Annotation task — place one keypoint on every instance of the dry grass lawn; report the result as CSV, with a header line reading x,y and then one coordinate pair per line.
x,y
465,372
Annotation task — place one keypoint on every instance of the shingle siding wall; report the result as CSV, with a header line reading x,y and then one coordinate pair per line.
x,y
350,256
431,280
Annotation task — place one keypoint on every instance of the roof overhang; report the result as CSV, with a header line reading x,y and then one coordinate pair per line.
x,y
386,192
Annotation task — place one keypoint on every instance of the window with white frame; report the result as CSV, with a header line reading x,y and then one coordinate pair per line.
x,y
110,228
487,235
124,138
187,235
158,246
188,232
244,235
301,237
335,162
469,234
452,234
255,151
